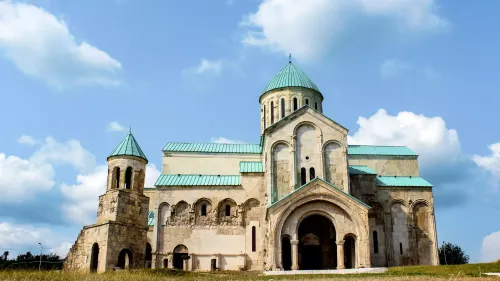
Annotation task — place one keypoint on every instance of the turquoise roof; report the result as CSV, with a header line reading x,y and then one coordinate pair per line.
x,y
257,149
380,150
251,167
290,76
402,181
361,170
151,218
212,147
197,180
128,147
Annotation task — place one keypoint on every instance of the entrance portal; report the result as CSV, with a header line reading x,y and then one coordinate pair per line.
x,y
317,247
180,254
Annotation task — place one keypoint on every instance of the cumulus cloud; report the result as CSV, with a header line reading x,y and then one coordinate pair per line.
x,y
29,140
225,140
205,66
82,197
441,160
490,248
115,127
490,163
308,28
42,46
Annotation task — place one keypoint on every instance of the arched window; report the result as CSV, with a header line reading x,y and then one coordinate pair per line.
x,y
316,105
117,178
307,101
254,244
265,117
282,108
204,210
303,176
128,178
375,242
312,174
401,248
295,105
228,210
272,113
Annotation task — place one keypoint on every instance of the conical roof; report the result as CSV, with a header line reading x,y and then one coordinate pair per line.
x,y
290,76
129,147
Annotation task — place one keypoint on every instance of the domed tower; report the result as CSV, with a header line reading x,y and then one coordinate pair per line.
x,y
118,238
288,91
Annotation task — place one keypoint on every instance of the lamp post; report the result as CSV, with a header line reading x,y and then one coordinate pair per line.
x,y
444,251
40,263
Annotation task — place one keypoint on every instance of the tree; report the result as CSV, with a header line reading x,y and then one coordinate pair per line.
x,y
5,255
452,254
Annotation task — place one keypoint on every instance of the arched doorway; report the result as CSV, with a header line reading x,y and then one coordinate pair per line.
x,y
180,254
149,255
94,258
125,259
349,252
317,247
286,253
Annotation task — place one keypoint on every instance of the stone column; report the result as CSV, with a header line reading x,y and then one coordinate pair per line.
x,y
388,239
295,254
340,254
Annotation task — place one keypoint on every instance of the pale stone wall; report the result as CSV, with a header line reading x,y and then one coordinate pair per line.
x,y
302,95
336,165
387,165
205,163
226,238
281,171
79,256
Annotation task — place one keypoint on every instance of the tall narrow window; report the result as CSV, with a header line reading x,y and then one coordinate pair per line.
x,y
254,244
316,105
282,108
228,210
272,113
204,210
303,176
307,101
117,178
295,104
312,174
401,248
265,117
128,178
375,242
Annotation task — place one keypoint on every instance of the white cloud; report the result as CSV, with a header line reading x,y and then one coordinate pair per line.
x,y
390,68
115,127
41,46
29,140
208,66
21,179
308,28
490,163
62,250
428,136
224,140
82,197
490,248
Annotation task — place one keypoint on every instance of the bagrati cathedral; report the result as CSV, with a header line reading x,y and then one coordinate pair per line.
x,y
302,198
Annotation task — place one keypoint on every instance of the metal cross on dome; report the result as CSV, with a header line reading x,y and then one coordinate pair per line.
x,y
289,58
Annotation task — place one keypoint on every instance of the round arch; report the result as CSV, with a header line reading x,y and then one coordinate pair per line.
x,y
302,123
125,259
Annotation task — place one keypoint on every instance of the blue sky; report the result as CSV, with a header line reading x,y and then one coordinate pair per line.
x,y
76,74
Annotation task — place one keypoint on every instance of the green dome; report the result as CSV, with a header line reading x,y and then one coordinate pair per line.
x,y
129,147
290,76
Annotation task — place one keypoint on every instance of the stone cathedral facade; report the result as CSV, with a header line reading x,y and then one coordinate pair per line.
x,y
302,198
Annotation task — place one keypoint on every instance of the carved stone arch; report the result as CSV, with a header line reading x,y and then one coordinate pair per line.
x,y
303,123
400,222
422,238
312,213
334,156
419,201
227,212
333,141
252,211
280,167
203,211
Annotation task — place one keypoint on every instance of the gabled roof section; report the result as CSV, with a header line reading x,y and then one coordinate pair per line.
x,y
197,180
402,181
290,76
361,170
128,147
251,167
213,147
322,180
380,150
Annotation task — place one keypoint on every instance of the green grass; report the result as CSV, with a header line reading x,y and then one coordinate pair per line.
x,y
411,273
